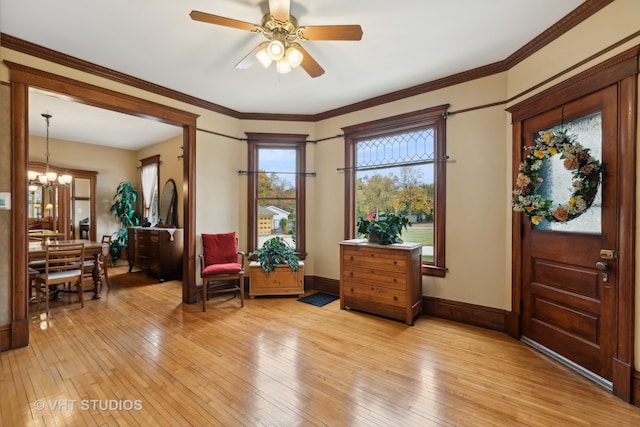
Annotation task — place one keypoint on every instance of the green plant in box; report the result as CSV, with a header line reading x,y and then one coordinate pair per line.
x,y
275,252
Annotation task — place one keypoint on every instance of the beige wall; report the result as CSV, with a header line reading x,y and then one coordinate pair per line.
x,y
112,164
478,239
477,193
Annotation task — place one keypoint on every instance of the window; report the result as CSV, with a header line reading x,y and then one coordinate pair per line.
x,y
276,189
150,175
398,165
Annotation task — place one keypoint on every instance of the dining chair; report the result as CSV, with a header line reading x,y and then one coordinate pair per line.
x,y
105,257
89,264
63,264
221,265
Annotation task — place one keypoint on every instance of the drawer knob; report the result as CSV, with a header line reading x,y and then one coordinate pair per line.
x,y
351,273
351,258
395,298
395,280
395,262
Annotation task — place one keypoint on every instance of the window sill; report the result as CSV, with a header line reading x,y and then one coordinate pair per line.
x,y
432,270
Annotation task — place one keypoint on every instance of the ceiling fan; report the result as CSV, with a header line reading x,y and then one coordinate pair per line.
x,y
283,33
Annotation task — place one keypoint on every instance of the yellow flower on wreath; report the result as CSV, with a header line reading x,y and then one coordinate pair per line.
x,y
552,151
547,136
539,154
572,202
536,219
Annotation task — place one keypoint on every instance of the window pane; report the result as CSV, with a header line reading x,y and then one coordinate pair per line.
x,y
404,189
557,181
411,147
276,195
405,186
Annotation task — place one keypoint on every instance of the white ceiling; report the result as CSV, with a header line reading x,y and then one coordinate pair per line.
x,y
404,43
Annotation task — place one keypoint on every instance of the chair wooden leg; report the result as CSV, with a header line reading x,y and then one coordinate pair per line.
x,y
204,295
46,299
38,293
80,292
105,274
241,286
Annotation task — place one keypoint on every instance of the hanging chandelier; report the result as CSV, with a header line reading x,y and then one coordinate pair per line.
x,y
48,178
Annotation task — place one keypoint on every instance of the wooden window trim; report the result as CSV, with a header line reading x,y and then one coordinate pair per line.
x,y
277,140
431,117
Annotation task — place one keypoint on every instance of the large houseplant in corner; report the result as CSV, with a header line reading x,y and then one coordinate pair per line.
x,y
124,210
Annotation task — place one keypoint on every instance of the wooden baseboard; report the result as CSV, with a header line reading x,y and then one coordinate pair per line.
x,y
635,388
330,286
476,315
5,337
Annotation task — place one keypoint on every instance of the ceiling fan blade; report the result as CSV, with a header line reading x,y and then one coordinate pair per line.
x,y
309,64
332,32
279,9
221,20
250,60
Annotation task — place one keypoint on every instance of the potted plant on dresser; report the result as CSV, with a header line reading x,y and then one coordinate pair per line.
x,y
275,270
385,229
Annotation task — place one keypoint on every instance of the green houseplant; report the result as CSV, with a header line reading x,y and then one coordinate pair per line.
x,y
124,210
275,252
385,230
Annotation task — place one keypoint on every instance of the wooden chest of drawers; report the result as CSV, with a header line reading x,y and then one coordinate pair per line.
x,y
158,250
384,280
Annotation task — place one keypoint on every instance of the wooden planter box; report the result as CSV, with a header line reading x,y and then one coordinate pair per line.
x,y
281,281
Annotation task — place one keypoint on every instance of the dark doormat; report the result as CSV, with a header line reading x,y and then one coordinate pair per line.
x,y
319,299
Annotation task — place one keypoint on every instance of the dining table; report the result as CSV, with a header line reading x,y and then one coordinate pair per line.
x,y
37,251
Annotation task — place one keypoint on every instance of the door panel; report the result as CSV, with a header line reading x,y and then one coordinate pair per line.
x,y
567,306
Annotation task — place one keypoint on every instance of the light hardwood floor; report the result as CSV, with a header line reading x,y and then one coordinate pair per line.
x,y
139,356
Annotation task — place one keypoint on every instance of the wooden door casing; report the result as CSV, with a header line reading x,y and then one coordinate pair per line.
x,y
566,305
622,71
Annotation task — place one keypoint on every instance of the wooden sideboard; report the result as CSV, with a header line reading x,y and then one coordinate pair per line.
x,y
158,250
381,279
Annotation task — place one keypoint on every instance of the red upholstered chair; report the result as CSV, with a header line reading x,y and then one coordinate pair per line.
x,y
221,265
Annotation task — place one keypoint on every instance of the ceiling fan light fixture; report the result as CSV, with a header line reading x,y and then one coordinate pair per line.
x,y
263,57
293,56
275,49
283,66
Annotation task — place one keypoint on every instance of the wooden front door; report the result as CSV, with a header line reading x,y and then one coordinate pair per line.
x,y
568,304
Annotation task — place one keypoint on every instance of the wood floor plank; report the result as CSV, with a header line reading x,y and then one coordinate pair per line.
x,y
279,362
